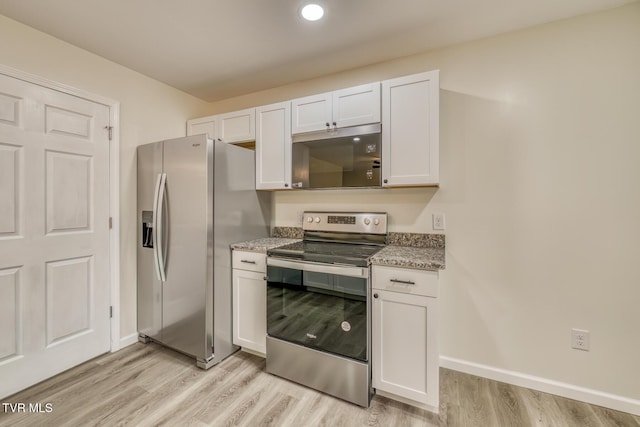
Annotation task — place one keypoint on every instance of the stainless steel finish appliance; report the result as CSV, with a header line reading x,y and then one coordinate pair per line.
x,y
195,198
318,310
340,158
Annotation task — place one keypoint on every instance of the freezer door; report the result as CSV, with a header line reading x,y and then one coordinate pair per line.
x,y
188,217
149,286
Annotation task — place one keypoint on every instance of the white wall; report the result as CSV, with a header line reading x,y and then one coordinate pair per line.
x,y
149,111
540,155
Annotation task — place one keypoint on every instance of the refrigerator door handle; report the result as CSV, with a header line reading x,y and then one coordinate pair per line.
x,y
158,201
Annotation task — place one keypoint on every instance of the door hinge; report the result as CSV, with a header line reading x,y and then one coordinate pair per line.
x,y
110,223
110,131
110,312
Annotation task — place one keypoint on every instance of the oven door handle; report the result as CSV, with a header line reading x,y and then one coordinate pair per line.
x,y
319,268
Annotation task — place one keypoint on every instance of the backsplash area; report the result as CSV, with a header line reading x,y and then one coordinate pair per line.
x,y
409,210
414,240
417,240
287,232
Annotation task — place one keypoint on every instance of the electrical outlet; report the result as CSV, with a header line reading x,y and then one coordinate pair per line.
x,y
438,221
580,339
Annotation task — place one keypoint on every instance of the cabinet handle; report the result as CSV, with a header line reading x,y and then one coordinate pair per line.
x,y
404,282
265,278
375,295
247,262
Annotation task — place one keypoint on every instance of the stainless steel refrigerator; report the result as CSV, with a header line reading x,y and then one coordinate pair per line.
x,y
196,196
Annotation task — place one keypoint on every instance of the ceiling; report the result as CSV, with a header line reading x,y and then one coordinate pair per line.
x,y
217,49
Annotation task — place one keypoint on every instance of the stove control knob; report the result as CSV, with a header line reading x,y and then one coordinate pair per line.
x,y
367,221
317,219
309,219
376,221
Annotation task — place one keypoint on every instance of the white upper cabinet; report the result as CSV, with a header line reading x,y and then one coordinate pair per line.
x,y
237,126
410,130
311,113
208,125
273,146
353,106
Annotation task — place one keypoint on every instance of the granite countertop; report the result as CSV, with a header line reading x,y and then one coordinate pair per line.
x,y
409,250
412,250
410,257
262,245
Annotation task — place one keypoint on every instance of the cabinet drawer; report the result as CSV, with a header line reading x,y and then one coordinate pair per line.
x,y
251,261
405,280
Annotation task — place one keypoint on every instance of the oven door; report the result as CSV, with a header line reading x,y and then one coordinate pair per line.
x,y
321,306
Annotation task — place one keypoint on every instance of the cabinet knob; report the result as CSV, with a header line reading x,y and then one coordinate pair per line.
x,y
375,295
286,185
327,124
385,181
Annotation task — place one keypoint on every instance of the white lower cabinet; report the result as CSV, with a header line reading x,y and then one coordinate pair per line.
x,y
250,301
404,336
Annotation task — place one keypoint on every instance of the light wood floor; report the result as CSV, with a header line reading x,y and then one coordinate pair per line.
x,y
147,385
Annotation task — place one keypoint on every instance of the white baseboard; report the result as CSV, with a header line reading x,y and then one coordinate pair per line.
x,y
128,340
545,385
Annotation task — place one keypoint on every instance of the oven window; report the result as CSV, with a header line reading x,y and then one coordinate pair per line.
x,y
326,312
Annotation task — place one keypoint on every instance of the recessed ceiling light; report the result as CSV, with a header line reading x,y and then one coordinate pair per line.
x,y
312,12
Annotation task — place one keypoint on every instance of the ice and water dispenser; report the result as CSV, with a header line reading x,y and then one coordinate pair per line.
x,y
147,229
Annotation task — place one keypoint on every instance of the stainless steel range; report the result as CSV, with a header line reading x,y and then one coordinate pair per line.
x,y
318,311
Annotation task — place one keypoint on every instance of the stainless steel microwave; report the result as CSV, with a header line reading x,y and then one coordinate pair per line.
x,y
338,158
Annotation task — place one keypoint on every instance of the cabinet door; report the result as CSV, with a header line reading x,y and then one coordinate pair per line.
x,y
404,346
273,147
237,126
208,125
410,130
250,310
311,113
358,105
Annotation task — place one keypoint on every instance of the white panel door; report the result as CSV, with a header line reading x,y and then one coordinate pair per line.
x,y
54,232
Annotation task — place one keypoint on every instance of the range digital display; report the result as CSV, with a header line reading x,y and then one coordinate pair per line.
x,y
335,219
